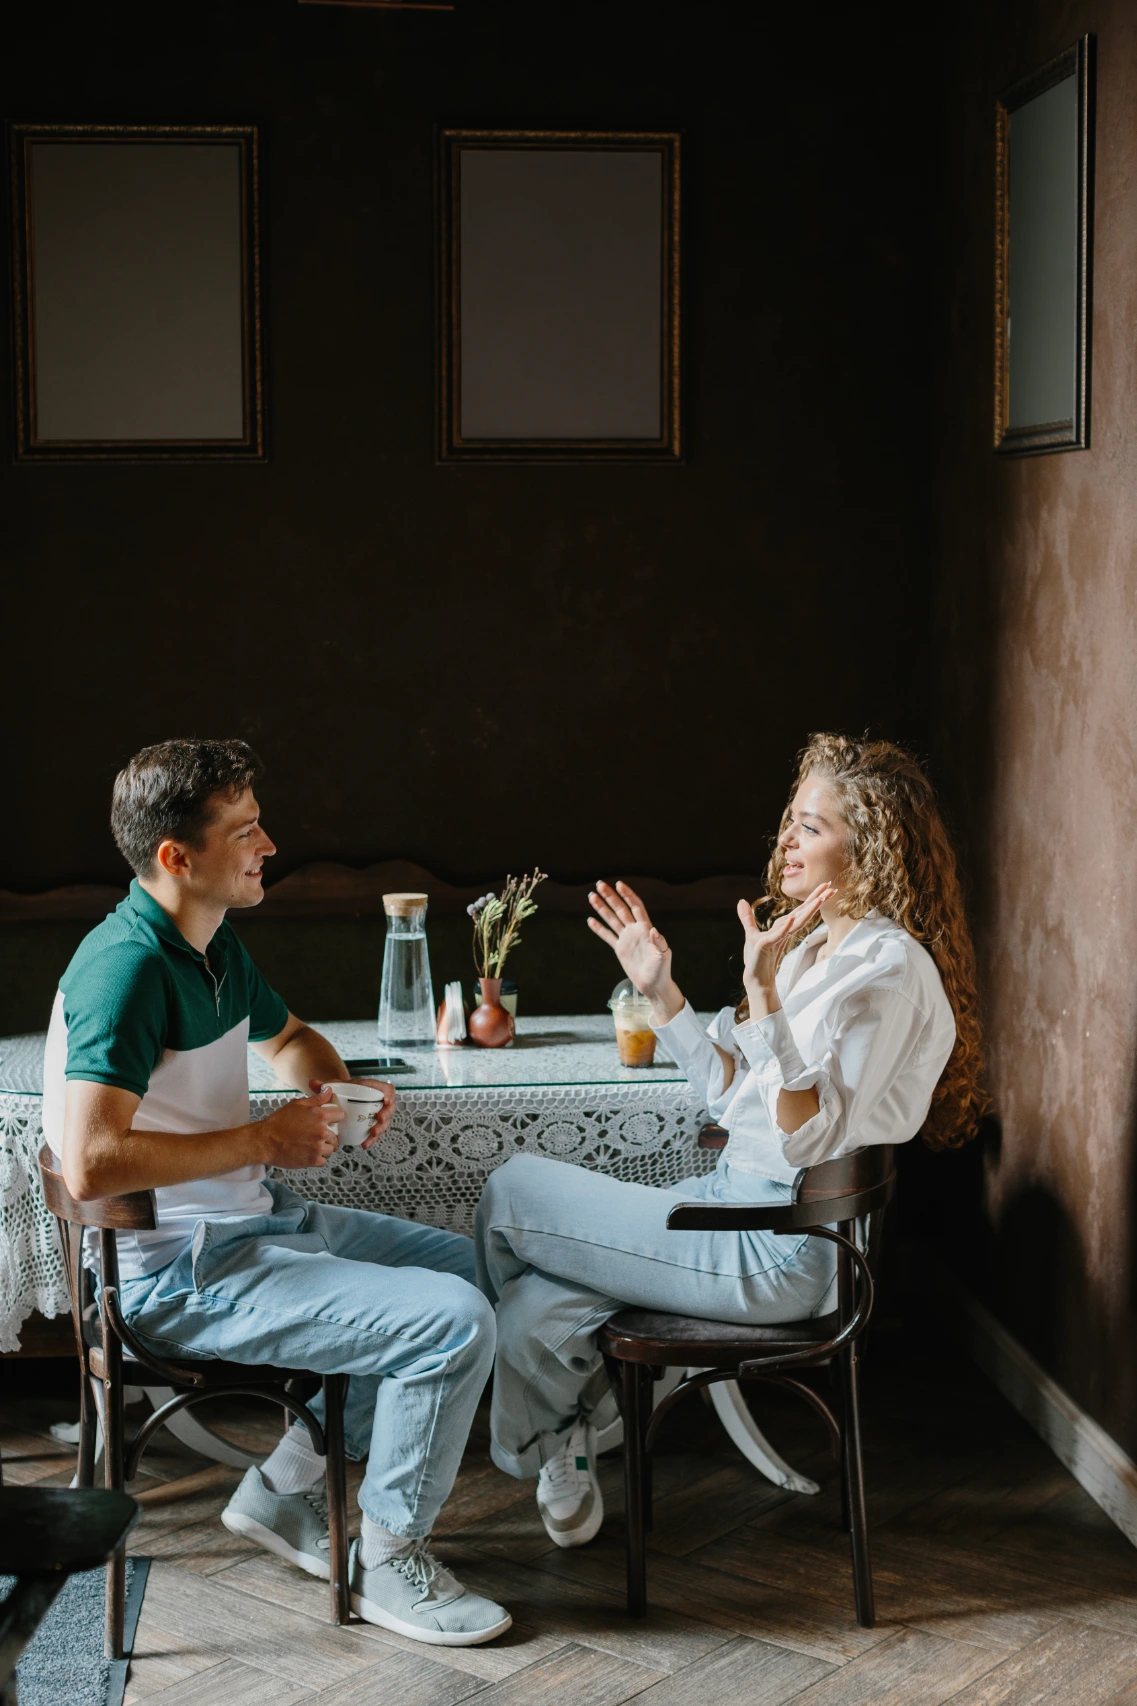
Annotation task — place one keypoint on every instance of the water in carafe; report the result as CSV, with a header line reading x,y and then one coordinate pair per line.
x,y
406,996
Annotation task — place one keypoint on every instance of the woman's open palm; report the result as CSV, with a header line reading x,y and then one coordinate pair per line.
x,y
764,950
622,921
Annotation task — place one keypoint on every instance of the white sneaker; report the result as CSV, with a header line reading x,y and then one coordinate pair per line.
x,y
293,1525
415,1595
568,1493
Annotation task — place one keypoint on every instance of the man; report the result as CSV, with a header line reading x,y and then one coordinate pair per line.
x,y
146,1087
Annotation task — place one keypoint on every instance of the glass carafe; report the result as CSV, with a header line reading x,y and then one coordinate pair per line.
x,y
406,997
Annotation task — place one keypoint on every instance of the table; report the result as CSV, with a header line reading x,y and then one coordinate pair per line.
x,y
558,1090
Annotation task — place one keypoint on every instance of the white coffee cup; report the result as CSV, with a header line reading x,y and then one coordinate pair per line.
x,y
361,1104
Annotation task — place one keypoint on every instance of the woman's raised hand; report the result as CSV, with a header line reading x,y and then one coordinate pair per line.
x,y
622,921
763,950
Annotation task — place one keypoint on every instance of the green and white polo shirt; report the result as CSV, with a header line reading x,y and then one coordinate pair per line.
x,y
141,1009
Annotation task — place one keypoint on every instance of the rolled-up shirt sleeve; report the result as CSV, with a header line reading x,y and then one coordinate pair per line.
x,y
856,1078
693,1050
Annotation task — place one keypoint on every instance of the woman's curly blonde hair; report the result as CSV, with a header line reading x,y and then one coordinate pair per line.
x,y
902,863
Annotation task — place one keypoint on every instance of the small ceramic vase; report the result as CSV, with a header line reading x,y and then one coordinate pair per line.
x,y
490,1024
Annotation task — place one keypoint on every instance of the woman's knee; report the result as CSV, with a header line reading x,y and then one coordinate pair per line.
x,y
517,1179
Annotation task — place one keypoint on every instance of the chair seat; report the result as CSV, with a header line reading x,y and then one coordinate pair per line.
x,y
216,1374
675,1341
215,1371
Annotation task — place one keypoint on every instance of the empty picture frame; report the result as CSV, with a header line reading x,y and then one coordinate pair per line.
x,y
1043,214
136,293
558,292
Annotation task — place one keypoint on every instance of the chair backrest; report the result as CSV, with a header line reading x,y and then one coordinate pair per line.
x,y
865,1179
132,1212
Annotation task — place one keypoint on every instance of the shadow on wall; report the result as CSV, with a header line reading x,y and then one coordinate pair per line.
x,y
940,1216
1029,1267
1044,1291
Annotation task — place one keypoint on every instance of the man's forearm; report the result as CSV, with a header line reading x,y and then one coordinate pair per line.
x,y
107,1163
307,1055
104,1153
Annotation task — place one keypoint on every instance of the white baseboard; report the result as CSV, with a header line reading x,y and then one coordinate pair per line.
x,y
1095,1460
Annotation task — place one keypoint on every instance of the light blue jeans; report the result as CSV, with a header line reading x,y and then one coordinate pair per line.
x,y
560,1249
339,1290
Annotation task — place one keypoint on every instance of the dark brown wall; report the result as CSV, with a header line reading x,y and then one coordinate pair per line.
x,y
1039,736
478,668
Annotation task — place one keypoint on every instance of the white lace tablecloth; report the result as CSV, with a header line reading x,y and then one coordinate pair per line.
x,y
559,1090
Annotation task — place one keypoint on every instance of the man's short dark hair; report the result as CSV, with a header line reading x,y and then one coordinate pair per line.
x,y
166,793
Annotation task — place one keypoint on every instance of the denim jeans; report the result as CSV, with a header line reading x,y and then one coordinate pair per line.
x,y
339,1290
560,1249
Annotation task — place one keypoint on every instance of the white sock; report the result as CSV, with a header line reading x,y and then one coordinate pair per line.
x,y
293,1467
377,1544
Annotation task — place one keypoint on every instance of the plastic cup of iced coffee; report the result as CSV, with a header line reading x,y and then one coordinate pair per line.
x,y
631,1012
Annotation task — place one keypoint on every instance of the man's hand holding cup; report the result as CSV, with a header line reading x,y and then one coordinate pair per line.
x,y
366,1107
303,1133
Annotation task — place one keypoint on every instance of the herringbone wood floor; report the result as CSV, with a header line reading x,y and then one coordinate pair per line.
x,y
999,1582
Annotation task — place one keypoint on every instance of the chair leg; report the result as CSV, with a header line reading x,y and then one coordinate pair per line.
x,y
853,1477
636,1405
114,1479
653,1374
88,1432
648,1498
335,1386
837,1401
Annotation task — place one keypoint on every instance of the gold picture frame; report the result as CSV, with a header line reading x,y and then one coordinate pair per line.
x,y
641,313
1053,205
82,387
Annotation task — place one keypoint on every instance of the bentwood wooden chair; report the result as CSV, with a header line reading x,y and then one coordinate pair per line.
x,y
638,1344
112,1357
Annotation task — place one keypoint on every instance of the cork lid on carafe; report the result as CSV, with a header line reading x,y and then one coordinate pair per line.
x,y
403,904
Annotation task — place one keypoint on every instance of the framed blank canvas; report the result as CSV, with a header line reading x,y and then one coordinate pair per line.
x,y
1043,252
137,292
558,291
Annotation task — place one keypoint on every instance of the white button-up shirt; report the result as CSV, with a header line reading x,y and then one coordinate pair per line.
x,y
869,1028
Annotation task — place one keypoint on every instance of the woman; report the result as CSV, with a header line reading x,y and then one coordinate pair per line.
x,y
859,1025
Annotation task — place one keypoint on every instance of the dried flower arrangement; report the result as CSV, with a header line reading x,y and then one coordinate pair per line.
x,y
498,920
